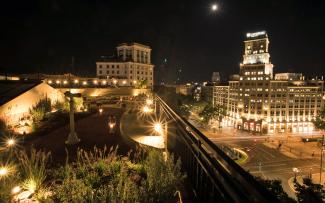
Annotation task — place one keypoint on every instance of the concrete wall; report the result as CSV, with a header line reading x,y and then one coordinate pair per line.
x,y
18,107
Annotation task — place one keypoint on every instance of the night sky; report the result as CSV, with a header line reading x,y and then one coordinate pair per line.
x,y
44,35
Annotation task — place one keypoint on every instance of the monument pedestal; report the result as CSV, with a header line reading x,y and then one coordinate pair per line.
x,y
72,139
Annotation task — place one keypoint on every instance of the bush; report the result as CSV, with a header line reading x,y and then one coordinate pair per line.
x,y
38,111
96,176
103,176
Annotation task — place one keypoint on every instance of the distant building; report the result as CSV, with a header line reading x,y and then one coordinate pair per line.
x,y
186,89
215,79
257,101
132,64
289,76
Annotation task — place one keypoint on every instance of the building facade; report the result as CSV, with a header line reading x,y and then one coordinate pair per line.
x,y
257,101
215,79
132,64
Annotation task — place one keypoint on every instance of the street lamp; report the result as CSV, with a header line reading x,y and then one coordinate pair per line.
x,y
158,128
11,142
146,109
15,190
149,101
3,171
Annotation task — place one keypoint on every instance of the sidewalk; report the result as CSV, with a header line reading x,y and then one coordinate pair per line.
x,y
137,130
315,180
296,149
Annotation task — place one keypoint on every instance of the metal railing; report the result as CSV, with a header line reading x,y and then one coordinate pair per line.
x,y
214,176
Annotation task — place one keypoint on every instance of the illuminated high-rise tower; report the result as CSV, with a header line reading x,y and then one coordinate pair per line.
x,y
256,55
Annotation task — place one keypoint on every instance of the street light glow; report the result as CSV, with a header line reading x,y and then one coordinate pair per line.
x,y
3,171
149,101
15,190
146,109
157,127
10,142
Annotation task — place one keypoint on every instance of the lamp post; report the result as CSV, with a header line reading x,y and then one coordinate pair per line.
x,y
72,138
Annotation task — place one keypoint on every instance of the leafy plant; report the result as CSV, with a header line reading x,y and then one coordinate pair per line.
x,y
309,191
319,122
33,168
40,109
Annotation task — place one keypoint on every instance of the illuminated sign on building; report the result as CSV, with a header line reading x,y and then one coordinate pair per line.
x,y
255,34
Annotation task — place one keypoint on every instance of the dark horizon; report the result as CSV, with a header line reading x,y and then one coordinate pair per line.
x,y
44,36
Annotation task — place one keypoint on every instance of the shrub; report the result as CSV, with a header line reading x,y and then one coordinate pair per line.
x,y
103,176
40,109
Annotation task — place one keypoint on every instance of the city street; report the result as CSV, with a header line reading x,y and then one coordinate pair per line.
x,y
264,157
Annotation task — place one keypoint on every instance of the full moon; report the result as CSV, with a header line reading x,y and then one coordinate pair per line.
x,y
214,7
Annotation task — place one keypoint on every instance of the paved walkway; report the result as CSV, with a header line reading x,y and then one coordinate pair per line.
x,y
138,129
92,130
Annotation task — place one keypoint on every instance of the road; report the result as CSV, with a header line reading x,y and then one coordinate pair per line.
x,y
264,160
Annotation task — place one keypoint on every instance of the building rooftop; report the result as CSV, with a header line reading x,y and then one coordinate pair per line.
x,y
11,89
133,44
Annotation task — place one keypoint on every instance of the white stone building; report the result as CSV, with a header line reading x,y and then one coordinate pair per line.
x,y
132,64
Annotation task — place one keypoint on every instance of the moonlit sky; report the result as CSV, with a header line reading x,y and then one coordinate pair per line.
x,y
43,35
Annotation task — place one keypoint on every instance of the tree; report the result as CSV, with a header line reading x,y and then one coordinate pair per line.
x,y
319,122
309,191
275,187
142,84
209,112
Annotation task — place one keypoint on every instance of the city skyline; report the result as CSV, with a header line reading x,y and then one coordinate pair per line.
x,y
47,37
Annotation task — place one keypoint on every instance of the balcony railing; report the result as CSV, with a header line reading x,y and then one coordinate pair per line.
x,y
214,176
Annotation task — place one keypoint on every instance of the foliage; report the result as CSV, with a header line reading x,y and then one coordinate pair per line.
x,y
96,176
184,111
78,104
103,176
309,191
59,105
40,109
275,187
162,177
33,168
319,122
142,84
209,112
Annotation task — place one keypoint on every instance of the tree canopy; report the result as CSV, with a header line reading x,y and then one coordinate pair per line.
x,y
319,122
